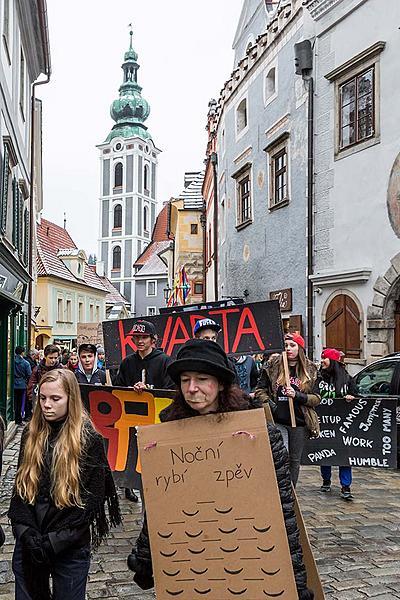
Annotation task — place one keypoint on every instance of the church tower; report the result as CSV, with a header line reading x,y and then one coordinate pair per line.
x,y
128,182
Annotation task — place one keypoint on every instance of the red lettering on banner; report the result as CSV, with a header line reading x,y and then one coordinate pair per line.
x,y
125,340
224,312
167,329
174,340
252,330
103,422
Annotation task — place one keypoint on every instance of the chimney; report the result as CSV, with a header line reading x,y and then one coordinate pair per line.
x,y
100,268
65,220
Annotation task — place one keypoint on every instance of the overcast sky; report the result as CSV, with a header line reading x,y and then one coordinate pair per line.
x,y
185,56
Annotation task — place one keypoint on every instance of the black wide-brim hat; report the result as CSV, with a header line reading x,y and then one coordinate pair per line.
x,y
202,356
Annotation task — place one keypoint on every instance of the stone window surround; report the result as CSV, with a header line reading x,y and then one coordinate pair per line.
x,y
151,311
239,175
356,65
282,141
244,130
272,65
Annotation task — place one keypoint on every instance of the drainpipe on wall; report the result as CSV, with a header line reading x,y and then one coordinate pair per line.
x,y
203,221
214,162
310,220
46,49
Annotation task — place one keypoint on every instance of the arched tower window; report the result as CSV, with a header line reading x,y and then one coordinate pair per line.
x,y
117,216
270,84
241,116
343,326
146,177
116,257
146,218
118,173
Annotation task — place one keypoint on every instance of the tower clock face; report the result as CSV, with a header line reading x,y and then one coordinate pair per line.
x,y
118,146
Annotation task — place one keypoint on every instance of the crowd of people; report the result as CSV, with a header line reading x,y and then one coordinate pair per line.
x,y
64,485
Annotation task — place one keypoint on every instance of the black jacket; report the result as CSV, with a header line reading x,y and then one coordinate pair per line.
x,y
155,365
140,559
97,378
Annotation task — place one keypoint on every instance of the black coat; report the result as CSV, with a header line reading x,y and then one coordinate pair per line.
x,y
140,559
97,378
155,365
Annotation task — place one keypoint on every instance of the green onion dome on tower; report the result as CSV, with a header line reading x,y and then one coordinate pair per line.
x,y
130,110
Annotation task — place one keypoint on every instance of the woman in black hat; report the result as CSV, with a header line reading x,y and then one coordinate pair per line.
x,y
205,385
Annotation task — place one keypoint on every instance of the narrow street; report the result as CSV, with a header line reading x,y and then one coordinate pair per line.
x,y
356,544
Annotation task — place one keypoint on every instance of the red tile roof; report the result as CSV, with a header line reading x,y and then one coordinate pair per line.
x,y
51,239
113,296
160,234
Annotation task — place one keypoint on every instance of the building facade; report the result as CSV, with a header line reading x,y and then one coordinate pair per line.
x,y
357,178
24,56
128,190
69,291
259,125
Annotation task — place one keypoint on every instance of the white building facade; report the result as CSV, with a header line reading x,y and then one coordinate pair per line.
x,y
128,183
357,178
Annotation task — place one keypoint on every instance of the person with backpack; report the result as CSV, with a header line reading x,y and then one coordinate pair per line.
x,y
335,382
22,373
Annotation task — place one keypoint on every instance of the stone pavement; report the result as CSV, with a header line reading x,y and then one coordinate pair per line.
x,y
356,544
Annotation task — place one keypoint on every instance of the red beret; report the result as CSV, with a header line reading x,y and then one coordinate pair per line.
x,y
331,353
296,338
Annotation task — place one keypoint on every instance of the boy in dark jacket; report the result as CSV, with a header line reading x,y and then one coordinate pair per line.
x,y
50,361
22,373
88,371
147,367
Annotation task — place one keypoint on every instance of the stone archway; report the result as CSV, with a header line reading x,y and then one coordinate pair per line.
x,y
381,313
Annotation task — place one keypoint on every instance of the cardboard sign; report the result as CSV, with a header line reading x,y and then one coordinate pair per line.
x,y
246,329
360,433
89,333
221,531
115,413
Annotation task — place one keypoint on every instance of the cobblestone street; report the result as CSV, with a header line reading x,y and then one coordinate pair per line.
x,y
357,544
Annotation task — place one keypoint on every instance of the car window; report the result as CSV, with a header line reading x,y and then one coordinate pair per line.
x,y
376,379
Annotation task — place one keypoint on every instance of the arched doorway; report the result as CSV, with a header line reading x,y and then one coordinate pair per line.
x,y
343,326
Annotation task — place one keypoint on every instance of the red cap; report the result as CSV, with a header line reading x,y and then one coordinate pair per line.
x,y
296,337
331,353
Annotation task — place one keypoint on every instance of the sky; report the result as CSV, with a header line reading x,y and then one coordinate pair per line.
x,y
185,56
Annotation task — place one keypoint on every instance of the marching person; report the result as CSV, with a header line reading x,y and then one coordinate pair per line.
x,y
204,385
33,358
304,391
73,361
22,373
88,371
207,329
335,382
145,368
247,373
101,358
63,482
50,361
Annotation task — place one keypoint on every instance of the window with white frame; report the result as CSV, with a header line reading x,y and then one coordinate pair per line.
x,y
69,311
241,116
151,311
60,310
116,258
146,178
118,175
22,84
151,288
81,314
91,312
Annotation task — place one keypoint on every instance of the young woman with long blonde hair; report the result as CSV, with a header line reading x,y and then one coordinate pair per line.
x,y
62,484
304,391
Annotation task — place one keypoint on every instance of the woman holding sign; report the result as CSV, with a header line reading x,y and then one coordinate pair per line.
x,y
272,388
335,382
63,482
204,382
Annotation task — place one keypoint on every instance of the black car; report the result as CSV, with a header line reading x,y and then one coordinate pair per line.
x,y
382,378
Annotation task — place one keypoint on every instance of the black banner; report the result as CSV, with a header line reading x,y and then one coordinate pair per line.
x,y
360,433
246,329
115,413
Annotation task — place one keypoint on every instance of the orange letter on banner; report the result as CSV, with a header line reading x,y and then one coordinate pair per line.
x,y
174,340
105,423
252,330
128,421
224,312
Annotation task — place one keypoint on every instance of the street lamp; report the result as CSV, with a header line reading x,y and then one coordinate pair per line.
x,y
167,292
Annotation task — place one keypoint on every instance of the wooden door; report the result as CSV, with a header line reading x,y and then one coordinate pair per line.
x,y
343,326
